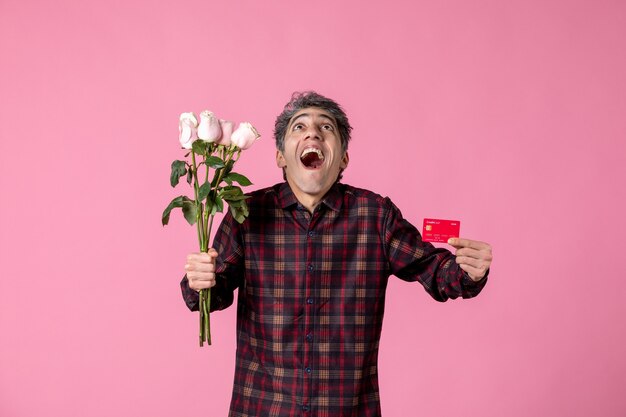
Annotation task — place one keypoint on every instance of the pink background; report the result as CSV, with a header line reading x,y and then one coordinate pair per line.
x,y
508,115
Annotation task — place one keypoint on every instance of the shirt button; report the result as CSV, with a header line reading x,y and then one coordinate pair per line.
x,y
311,233
308,370
305,408
309,337
310,267
309,301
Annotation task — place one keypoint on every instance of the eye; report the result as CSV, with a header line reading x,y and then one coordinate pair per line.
x,y
328,127
298,126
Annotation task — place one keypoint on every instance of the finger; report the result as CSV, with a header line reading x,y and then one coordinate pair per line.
x,y
466,260
200,267
200,276
200,285
202,257
458,242
476,254
197,277
199,272
483,262
198,257
475,273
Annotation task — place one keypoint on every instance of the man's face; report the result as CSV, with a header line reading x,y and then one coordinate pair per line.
x,y
313,156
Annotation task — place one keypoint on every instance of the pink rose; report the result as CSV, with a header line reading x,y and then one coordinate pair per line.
x,y
244,136
209,129
187,125
227,131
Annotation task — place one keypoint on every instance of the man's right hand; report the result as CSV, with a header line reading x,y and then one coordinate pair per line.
x,y
200,269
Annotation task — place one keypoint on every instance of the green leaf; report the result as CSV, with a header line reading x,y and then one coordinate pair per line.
x,y
229,191
239,212
232,193
230,199
215,162
241,179
204,191
215,178
189,177
179,168
218,206
177,202
199,147
190,211
228,168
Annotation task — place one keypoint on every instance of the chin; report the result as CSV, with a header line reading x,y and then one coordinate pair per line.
x,y
312,190
310,187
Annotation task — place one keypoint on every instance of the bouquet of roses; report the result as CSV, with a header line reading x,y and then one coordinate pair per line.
x,y
213,145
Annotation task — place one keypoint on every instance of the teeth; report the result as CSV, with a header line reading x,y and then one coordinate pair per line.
x,y
307,151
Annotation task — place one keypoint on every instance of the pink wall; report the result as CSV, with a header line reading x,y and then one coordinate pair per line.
x,y
509,115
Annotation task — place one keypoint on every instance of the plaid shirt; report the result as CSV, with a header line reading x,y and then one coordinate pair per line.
x,y
312,295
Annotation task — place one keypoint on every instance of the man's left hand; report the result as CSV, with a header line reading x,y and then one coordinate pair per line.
x,y
473,257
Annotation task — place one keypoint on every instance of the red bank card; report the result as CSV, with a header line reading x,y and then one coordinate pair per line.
x,y
438,230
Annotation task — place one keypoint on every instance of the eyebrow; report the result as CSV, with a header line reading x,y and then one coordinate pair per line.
x,y
309,115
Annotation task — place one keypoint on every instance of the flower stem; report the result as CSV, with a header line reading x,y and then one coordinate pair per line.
x,y
220,174
204,225
205,295
210,224
199,206
207,316
201,309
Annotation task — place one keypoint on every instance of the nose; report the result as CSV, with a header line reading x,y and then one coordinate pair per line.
x,y
313,132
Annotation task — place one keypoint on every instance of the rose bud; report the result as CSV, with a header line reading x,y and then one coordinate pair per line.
x,y
209,129
187,125
244,136
227,131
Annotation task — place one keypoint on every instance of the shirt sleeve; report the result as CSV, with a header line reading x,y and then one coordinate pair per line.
x,y
229,268
412,259
221,296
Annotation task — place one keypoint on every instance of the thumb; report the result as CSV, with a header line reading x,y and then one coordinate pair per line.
x,y
453,241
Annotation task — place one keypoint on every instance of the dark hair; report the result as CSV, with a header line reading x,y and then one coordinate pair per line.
x,y
306,99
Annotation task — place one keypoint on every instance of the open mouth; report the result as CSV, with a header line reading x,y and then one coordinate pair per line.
x,y
312,158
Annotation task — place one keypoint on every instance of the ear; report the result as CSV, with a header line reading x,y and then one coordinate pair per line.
x,y
345,160
280,160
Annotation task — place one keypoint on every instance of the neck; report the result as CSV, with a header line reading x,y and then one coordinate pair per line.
x,y
309,202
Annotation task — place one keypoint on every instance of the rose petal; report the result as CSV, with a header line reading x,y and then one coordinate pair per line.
x,y
187,124
227,131
209,128
245,136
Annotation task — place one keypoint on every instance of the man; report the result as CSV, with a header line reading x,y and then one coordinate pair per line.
x,y
311,264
